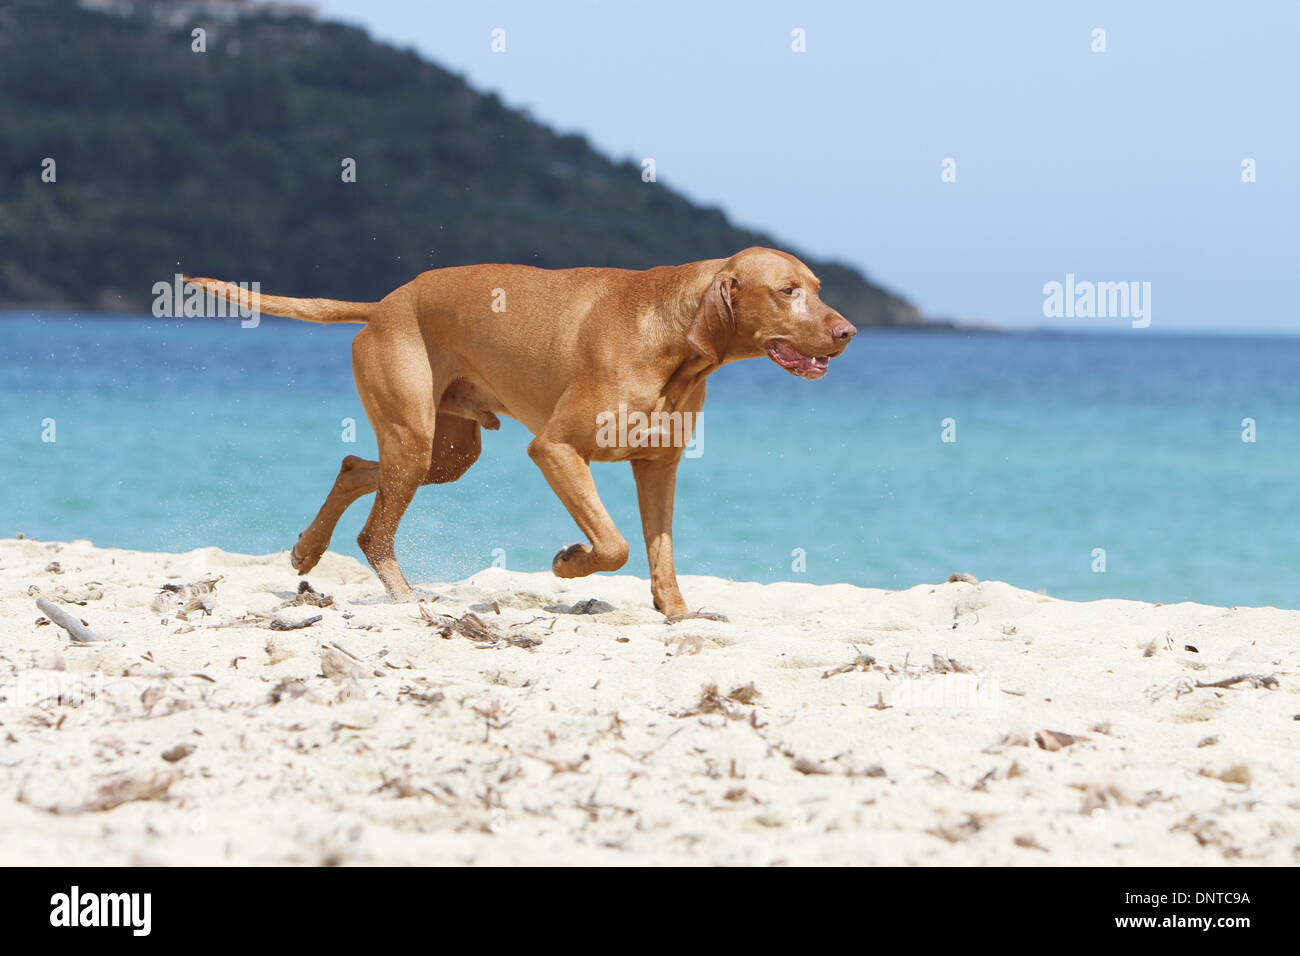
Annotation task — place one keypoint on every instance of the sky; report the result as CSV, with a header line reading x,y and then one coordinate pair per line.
x,y
1117,166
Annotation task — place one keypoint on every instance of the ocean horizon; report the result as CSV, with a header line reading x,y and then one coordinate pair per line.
x,y
1135,464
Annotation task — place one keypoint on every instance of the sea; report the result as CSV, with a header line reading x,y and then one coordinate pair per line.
x,y
1135,465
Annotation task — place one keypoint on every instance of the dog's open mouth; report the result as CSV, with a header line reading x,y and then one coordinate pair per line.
x,y
795,362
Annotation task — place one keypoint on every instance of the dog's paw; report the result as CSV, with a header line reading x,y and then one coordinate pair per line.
x,y
303,561
567,563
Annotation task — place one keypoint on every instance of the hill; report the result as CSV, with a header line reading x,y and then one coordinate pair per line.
x,y
228,163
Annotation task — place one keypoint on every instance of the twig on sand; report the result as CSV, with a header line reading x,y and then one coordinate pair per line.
x,y
249,619
1186,685
494,718
653,750
269,621
79,631
1254,680
863,662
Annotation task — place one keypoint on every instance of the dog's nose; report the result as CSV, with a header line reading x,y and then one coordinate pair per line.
x,y
842,332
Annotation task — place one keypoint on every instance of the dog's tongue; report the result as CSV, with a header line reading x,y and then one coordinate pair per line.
x,y
788,357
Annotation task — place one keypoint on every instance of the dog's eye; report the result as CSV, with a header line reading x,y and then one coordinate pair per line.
x,y
789,290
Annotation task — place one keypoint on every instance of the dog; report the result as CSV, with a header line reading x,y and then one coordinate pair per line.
x,y
559,350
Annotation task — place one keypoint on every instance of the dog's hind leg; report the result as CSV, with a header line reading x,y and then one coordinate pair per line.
x,y
456,446
396,384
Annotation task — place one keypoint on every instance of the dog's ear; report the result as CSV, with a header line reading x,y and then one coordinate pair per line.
x,y
715,323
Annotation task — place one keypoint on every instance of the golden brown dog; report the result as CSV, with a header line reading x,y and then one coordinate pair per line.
x,y
560,351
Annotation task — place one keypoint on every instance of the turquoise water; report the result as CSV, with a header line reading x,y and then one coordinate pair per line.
x,y
172,435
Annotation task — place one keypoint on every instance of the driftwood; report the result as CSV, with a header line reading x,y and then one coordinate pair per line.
x,y
78,631
279,624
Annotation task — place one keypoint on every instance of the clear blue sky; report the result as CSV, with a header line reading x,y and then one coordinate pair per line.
x,y
1116,166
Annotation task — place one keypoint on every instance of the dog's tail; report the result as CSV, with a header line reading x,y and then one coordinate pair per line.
x,y
324,311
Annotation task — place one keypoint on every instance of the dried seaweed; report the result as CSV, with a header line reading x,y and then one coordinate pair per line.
x,y
307,595
181,600
1055,739
863,662
120,789
472,626
713,702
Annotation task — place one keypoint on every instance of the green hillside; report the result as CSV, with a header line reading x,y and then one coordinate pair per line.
x,y
227,163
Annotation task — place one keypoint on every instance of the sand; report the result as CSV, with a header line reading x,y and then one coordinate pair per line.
x,y
950,723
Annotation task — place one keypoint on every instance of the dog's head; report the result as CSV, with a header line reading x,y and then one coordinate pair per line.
x,y
763,301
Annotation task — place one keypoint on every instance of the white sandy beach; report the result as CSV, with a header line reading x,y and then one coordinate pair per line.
x,y
821,725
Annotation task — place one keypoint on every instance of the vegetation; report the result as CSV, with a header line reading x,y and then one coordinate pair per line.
x,y
228,163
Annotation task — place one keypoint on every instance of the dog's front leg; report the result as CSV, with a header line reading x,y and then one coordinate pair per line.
x,y
656,484
569,475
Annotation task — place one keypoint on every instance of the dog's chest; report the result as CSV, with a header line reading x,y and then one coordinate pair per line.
x,y
652,425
